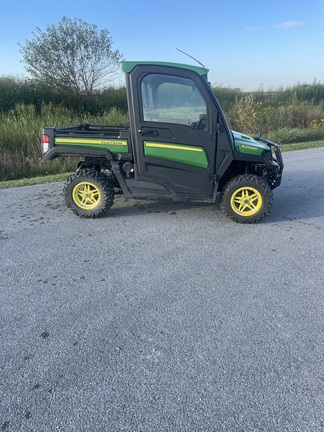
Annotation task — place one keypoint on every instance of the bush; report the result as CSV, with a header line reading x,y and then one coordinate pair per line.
x,y
245,115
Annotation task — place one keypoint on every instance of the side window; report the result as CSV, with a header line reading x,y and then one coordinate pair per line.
x,y
171,99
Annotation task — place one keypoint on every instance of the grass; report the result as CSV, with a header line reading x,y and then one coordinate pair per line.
x,y
301,146
34,181
63,176
21,138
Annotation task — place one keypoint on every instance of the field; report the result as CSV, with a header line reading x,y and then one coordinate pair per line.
x,y
293,116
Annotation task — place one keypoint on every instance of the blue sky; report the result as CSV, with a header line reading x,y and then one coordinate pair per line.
x,y
248,44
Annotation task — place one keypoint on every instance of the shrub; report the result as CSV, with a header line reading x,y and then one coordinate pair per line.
x,y
245,115
317,123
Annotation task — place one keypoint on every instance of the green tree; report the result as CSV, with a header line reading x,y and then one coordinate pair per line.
x,y
73,57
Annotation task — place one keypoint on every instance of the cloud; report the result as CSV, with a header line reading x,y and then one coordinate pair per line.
x,y
289,24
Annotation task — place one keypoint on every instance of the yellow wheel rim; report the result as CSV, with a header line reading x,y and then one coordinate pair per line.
x,y
86,195
246,201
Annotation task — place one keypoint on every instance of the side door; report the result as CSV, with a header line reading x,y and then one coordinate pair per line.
x,y
175,141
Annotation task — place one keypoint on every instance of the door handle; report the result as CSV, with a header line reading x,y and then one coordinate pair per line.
x,y
148,131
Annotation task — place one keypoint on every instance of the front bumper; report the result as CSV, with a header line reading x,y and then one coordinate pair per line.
x,y
277,151
277,158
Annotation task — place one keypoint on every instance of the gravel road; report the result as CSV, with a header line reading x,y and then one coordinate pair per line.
x,y
163,316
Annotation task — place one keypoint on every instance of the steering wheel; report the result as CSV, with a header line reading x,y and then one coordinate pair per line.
x,y
201,123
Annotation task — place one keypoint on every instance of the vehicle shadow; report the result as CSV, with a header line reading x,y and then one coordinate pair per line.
x,y
298,197
128,206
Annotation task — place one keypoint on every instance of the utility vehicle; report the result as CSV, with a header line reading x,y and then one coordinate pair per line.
x,y
178,146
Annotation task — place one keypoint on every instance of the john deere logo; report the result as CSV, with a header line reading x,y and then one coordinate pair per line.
x,y
247,147
114,143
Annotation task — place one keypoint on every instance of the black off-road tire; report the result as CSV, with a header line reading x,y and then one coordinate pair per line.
x,y
88,193
246,198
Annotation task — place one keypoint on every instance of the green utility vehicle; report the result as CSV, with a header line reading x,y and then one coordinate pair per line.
x,y
178,146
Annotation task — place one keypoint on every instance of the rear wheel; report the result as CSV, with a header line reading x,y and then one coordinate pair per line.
x,y
246,198
88,193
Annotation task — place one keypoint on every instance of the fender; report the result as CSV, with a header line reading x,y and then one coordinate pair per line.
x,y
55,152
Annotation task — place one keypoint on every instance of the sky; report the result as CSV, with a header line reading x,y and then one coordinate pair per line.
x,y
250,44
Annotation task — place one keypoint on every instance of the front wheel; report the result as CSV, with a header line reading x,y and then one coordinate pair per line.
x,y
88,194
246,198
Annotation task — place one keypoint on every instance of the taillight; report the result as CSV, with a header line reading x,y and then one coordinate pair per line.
x,y
46,143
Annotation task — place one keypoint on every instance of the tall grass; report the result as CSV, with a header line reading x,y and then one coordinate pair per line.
x,y
21,138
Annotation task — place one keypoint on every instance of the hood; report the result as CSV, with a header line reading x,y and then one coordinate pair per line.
x,y
245,144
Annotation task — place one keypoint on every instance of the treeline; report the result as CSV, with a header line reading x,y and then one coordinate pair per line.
x,y
312,94
285,115
15,90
